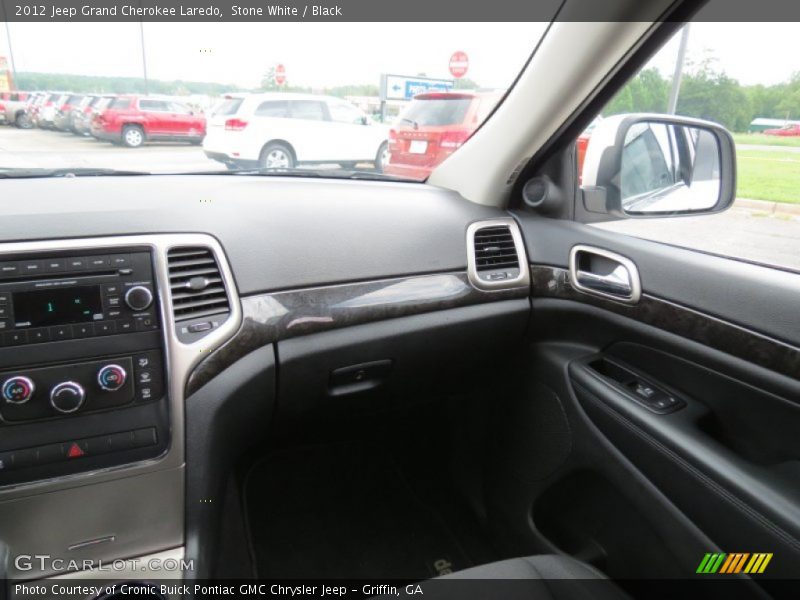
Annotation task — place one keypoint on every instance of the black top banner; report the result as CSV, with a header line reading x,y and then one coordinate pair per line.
x,y
393,10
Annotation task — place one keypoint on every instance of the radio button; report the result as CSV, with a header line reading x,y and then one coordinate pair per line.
x,y
4,324
111,289
36,336
76,264
113,301
4,298
119,260
67,397
125,326
53,265
9,269
3,311
15,338
83,330
18,389
138,298
111,378
98,262
30,267
105,327
60,332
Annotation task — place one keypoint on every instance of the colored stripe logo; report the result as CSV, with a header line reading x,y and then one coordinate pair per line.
x,y
736,562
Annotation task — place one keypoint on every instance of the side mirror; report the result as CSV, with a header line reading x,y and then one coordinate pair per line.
x,y
644,165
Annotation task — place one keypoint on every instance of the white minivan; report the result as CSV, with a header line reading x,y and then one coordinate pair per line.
x,y
281,130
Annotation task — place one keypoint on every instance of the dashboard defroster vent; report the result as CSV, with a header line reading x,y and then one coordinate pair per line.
x,y
196,285
496,255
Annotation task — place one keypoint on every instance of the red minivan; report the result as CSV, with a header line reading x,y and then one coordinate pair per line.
x,y
132,120
434,126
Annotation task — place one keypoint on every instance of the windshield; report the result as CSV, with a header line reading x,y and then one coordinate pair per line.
x,y
436,111
251,97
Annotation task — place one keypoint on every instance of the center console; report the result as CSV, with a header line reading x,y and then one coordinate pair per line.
x,y
82,380
98,338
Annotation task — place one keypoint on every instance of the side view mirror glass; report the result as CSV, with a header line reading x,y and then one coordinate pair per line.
x,y
657,165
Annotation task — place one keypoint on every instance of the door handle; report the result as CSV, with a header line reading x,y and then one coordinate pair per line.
x,y
604,273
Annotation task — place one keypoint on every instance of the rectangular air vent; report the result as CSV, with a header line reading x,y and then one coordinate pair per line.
x,y
196,284
495,249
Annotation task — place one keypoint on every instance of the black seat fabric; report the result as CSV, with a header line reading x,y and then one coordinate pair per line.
x,y
545,577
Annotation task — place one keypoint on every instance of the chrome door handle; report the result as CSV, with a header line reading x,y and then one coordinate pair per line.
x,y
603,273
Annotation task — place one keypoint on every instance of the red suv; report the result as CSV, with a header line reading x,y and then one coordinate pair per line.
x,y
433,127
132,120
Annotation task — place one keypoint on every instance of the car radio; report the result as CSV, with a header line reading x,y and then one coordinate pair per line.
x,y
82,380
61,298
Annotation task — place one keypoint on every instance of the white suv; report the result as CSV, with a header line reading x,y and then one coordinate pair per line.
x,y
280,130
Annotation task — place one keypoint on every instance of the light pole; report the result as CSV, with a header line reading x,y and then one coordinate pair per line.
x,y
676,76
10,49
144,58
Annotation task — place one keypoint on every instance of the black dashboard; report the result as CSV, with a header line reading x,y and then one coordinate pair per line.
x,y
144,317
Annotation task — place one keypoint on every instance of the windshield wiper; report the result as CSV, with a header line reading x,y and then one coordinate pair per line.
x,y
14,173
316,173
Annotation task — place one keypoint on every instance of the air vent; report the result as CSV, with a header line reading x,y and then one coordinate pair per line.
x,y
496,255
196,284
495,249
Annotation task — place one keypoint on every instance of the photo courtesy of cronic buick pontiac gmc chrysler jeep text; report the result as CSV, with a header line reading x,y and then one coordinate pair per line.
x,y
390,306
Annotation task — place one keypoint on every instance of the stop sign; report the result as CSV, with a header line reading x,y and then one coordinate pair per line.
x,y
459,63
280,74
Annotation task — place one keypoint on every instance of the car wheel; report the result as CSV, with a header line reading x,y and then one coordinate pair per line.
x,y
382,158
276,156
132,136
23,121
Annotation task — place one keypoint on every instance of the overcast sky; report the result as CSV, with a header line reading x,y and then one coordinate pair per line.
x,y
327,54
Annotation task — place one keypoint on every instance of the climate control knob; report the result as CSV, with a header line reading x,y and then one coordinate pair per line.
x,y
111,378
67,397
18,389
138,298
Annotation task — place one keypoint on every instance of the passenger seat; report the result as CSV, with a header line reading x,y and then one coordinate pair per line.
x,y
544,577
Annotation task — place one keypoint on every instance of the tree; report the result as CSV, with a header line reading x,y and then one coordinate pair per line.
x,y
647,92
465,83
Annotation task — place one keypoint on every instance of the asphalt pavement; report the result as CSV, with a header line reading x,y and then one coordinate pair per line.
x,y
746,233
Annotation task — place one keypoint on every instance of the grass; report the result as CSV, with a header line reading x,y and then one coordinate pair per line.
x,y
768,175
759,139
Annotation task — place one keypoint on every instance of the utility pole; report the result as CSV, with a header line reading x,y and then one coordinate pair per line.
x,y
676,76
10,50
144,58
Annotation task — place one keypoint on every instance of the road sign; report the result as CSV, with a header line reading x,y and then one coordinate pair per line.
x,y
459,63
280,74
403,87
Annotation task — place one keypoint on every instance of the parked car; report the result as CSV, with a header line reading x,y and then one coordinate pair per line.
x,y
788,130
81,117
133,120
16,108
65,105
44,110
434,126
280,130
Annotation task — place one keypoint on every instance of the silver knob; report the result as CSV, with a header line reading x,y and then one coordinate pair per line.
x,y
67,397
138,297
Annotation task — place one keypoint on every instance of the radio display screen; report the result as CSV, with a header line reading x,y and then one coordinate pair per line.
x,y
57,306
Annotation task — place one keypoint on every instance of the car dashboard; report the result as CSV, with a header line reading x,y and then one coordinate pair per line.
x,y
145,318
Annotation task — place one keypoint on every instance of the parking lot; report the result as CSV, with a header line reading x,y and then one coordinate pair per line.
x,y
35,148
739,232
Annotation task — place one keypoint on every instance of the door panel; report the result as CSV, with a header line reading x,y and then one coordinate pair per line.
x,y
717,343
